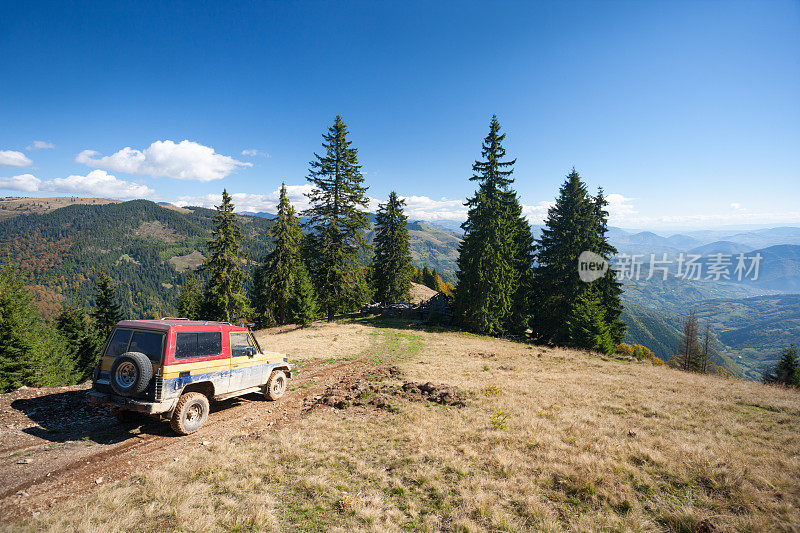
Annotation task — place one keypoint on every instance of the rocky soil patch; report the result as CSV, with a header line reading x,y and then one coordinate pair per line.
x,y
370,391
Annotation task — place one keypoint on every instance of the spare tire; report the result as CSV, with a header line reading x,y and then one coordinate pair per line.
x,y
131,373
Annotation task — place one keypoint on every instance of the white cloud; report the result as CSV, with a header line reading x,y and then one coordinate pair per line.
x,y
98,183
95,183
23,182
620,208
247,202
736,206
185,160
40,145
253,152
426,208
536,214
10,158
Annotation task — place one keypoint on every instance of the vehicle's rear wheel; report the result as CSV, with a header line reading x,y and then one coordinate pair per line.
x,y
276,385
190,413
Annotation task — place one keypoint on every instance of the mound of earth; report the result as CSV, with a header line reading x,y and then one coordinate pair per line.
x,y
420,293
365,391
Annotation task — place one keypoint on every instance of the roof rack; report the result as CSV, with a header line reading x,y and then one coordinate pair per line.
x,y
173,318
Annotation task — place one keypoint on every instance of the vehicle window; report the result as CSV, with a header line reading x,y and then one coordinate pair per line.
x,y
185,345
119,342
148,343
207,344
240,343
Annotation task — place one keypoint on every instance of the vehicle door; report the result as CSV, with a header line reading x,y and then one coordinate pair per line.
x,y
246,369
199,357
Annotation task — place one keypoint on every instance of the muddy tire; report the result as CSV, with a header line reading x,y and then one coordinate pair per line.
x,y
276,385
131,373
190,413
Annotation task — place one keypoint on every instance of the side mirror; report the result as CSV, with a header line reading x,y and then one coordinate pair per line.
x,y
250,351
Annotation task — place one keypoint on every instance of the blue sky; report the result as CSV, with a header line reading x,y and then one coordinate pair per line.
x,y
687,113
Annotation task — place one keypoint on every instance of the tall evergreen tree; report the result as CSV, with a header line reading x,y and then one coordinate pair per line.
x,y
392,269
276,279
302,306
570,228
82,339
609,287
337,219
489,263
224,296
30,352
106,311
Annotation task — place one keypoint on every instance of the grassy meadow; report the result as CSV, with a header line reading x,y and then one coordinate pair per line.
x,y
550,440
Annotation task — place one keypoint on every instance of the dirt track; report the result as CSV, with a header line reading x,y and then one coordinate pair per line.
x,y
54,446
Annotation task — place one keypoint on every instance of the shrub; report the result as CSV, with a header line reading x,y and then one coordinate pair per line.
x,y
642,353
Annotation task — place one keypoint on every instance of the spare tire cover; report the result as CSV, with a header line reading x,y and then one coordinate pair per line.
x,y
131,373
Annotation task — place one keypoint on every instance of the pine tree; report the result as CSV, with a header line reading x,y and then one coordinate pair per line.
x,y
787,371
570,228
392,269
337,219
82,339
302,304
30,352
275,281
224,296
106,311
489,263
588,327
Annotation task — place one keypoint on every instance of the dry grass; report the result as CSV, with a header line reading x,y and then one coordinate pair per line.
x,y
586,444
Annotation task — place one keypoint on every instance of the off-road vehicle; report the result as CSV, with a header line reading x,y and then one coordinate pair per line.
x,y
174,367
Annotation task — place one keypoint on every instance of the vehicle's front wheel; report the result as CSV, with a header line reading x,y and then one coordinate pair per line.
x,y
190,413
276,385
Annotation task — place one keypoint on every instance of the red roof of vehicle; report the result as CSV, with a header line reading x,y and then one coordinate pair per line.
x,y
166,324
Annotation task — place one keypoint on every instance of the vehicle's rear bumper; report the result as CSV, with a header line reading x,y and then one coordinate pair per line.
x,y
131,404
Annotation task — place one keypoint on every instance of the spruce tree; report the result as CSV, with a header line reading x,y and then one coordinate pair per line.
x,y
31,353
81,338
570,228
337,220
224,296
587,325
106,311
302,306
275,280
489,263
392,269
609,287
787,371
